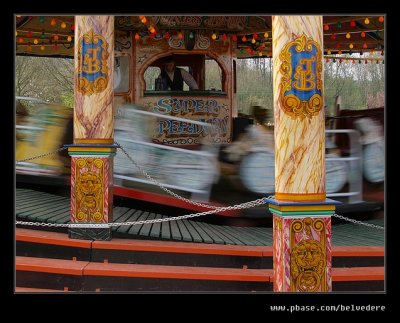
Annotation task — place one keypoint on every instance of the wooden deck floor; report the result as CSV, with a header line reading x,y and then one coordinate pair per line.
x,y
44,207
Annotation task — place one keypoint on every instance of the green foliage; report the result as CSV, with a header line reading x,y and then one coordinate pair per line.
x,y
67,99
48,79
359,85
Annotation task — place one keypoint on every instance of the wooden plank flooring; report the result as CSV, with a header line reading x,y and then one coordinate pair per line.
x,y
44,207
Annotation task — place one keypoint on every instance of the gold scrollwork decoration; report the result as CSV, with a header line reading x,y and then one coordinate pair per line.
x,y
308,256
92,63
301,89
307,266
297,225
319,225
89,189
81,216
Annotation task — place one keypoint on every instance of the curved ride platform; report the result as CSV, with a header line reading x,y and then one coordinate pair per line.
x,y
184,255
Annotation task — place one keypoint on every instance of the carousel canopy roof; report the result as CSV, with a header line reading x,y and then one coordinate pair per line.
x,y
252,35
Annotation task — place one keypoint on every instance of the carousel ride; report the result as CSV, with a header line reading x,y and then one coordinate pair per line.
x,y
182,133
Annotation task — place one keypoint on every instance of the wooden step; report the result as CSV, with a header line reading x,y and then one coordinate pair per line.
x,y
44,244
359,279
125,277
182,254
79,275
358,256
48,273
92,276
47,244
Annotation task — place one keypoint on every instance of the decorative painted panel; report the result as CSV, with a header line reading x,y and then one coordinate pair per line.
x,y
93,75
298,115
90,188
94,79
308,255
302,254
211,110
301,84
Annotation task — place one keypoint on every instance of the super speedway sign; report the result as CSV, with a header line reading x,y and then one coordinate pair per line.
x,y
301,84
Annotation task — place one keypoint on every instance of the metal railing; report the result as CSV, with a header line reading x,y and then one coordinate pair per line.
x,y
192,171
354,165
257,170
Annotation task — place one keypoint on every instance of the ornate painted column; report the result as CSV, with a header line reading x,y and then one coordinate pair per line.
x,y
302,214
93,149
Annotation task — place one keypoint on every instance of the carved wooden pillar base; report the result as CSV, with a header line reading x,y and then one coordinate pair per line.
x,y
302,245
91,191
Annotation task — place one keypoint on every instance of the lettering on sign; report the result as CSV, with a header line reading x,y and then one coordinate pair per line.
x,y
208,111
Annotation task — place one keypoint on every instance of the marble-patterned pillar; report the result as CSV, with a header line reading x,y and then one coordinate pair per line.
x,y
302,223
93,149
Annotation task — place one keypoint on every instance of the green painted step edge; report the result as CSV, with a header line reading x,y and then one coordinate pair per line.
x,y
290,213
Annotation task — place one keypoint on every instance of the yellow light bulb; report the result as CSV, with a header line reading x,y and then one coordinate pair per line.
x,y
366,21
63,25
348,35
35,41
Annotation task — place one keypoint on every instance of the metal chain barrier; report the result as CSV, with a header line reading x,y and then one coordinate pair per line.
x,y
42,155
215,209
161,185
358,222
245,205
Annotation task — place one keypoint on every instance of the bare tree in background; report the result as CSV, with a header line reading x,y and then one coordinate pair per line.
x,y
50,79
359,85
